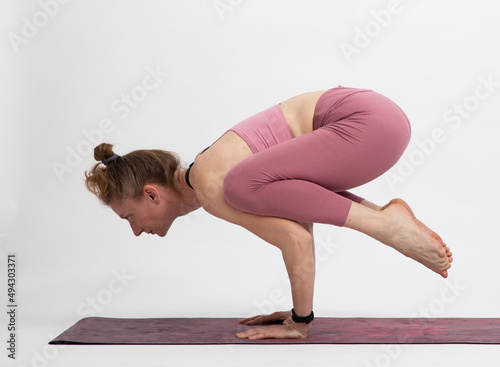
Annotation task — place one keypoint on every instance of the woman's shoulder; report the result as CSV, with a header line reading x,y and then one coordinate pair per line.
x,y
209,192
211,168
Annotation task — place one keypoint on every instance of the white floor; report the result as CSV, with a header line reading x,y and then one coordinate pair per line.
x,y
34,351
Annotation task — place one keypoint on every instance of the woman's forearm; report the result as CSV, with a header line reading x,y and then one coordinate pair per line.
x,y
300,263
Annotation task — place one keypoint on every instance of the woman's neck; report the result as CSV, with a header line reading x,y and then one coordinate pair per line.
x,y
187,194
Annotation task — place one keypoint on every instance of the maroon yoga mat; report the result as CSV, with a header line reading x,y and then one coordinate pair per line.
x,y
100,330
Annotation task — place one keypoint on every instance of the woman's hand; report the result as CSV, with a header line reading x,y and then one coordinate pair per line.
x,y
284,316
288,330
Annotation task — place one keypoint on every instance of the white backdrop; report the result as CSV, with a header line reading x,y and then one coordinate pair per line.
x,y
175,75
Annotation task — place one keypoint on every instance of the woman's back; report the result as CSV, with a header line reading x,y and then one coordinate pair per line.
x,y
211,167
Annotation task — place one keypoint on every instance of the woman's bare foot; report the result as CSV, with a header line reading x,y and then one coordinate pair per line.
x,y
412,238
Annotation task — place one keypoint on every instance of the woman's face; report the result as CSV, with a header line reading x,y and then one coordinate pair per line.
x,y
153,213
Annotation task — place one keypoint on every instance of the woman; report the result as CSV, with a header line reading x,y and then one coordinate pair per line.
x,y
275,174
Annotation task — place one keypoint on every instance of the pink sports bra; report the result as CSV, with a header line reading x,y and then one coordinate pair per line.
x,y
264,129
260,131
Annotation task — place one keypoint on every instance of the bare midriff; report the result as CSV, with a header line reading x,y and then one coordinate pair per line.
x,y
299,111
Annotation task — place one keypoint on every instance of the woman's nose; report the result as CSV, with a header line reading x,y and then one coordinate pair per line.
x,y
136,229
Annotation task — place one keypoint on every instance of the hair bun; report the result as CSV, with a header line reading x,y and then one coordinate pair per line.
x,y
103,151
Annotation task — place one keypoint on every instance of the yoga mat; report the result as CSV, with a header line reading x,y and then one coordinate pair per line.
x,y
100,330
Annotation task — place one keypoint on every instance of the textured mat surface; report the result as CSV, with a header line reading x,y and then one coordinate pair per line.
x,y
101,330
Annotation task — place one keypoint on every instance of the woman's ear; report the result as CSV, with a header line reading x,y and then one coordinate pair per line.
x,y
152,193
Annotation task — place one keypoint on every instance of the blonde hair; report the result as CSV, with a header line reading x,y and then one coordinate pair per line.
x,y
125,176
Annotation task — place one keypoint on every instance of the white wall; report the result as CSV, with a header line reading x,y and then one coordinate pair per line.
x,y
62,81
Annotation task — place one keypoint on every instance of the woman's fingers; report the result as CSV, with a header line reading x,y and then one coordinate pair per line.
x,y
276,316
251,320
272,332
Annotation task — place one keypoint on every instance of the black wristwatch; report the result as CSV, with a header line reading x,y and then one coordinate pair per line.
x,y
307,319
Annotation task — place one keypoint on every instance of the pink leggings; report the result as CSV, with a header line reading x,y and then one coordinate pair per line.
x,y
357,135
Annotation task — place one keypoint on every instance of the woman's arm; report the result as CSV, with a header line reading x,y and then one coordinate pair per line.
x,y
297,246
